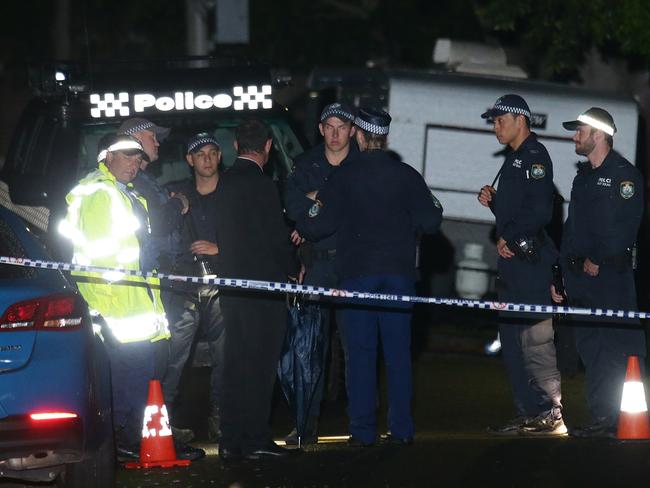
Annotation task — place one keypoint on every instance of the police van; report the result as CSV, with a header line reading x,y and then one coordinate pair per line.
x,y
55,140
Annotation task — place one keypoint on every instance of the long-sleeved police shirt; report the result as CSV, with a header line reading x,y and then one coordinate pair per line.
x,y
377,206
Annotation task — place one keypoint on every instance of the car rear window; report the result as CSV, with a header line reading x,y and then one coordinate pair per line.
x,y
10,246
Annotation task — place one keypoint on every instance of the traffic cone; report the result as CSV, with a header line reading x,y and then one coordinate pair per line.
x,y
633,420
157,446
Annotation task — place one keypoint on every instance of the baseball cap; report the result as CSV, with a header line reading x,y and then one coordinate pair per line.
x,y
125,144
199,140
103,145
136,124
340,110
595,117
508,104
375,121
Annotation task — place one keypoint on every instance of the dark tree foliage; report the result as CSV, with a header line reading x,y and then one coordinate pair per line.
x,y
555,35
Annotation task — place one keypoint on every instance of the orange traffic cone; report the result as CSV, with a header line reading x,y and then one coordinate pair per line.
x,y
633,420
157,446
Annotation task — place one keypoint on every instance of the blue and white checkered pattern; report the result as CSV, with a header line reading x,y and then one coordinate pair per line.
x,y
336,110
279,287
512,110
200,142
141,126
372,128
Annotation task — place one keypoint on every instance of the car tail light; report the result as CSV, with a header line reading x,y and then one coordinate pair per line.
x,y
41,416
58,311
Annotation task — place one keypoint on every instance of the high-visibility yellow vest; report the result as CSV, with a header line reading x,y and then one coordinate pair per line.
x,y
102,226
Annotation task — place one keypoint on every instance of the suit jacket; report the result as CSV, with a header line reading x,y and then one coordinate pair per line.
x,y
252,235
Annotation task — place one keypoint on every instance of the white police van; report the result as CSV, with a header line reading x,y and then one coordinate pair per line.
x,y
55,141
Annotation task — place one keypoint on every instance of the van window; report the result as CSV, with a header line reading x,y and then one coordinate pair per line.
x,y
11,246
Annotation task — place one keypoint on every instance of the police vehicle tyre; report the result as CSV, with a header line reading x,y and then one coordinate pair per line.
x,y
97,470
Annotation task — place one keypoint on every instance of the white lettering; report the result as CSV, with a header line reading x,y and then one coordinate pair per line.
x,y
142,101
189,100
203,101
178,97
165,104
222,101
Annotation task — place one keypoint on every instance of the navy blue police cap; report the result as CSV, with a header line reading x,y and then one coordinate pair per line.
x,y
595,117
373,120
199,140
340,110
137,124
508,104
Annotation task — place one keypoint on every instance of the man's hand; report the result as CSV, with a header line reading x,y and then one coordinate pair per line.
x,y
590,268
206,248
485,195
555,296
301,274
296,238
503,249
312,195
184,201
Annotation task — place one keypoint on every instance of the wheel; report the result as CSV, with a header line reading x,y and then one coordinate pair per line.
x,y
97,471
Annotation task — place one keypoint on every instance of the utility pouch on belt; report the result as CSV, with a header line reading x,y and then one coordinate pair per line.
x,y
526,248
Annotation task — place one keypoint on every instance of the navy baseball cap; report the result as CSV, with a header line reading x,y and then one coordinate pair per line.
x,y
373,120
508,104
136,124
199,140
340,110
595,117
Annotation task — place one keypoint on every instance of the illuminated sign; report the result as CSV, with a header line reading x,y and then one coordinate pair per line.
x,y
125,104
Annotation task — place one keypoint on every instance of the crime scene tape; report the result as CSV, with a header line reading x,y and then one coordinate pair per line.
x,y
279,287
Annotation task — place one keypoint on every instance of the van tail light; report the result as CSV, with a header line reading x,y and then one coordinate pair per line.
x,y
57,311
44,416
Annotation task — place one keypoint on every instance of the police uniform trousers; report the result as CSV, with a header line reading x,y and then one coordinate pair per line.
x,y
133,365
187,310
604,346
527,342
362,324
321,273
255,326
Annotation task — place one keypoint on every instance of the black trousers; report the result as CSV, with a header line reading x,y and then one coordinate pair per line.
x,y
255,327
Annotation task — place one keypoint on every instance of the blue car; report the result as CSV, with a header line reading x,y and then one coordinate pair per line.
x,y
55,400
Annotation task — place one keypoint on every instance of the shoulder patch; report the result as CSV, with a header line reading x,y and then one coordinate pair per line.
x,y
537,171
314,210
626,189
436,202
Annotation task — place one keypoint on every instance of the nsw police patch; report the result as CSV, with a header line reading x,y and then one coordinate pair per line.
x,y
627,189
314,210
537,171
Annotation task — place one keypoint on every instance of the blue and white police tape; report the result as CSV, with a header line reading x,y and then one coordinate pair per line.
x,y
279,287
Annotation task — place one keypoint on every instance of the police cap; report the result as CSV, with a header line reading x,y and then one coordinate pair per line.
x,y
199,140
340,110
595,117
375,121
136,124
508,104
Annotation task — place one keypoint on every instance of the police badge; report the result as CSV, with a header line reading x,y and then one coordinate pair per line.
x,y
627,189
537,171
314,209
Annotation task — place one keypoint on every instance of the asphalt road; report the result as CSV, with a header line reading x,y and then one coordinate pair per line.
x,y
457,397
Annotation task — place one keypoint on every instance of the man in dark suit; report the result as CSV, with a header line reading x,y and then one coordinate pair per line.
x,y
254,244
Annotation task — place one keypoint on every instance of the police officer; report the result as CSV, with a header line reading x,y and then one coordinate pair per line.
x,y
311,171
377,206
522,206
107,222
604,217
195,253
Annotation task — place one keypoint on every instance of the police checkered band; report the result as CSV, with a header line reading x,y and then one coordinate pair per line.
x,y
137,128
513,110
372,128
125,146
336,110
200,141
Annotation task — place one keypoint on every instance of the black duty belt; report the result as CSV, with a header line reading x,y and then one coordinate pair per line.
x,y
620,261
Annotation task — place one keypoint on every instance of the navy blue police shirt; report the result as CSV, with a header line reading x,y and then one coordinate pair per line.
x,y
523,204
377,206
605,210
311,172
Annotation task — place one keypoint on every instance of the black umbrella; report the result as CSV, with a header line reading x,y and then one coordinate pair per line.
x,y
300,366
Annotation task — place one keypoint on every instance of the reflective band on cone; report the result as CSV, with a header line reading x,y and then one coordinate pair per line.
x,y
633,419
157,446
